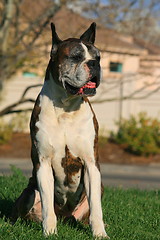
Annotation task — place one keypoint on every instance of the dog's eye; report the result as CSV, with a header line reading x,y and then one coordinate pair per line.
x,y
77,57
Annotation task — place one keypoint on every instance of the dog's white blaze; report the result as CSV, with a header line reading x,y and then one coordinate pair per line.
x,y
87,54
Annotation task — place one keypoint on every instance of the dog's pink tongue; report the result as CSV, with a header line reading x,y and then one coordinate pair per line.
x,y
87,85
90,85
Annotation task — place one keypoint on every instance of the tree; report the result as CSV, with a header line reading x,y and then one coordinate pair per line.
x,y
145,89
138,18
23,99
21,24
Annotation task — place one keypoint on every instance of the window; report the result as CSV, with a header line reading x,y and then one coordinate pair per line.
x,y
115,67
29,74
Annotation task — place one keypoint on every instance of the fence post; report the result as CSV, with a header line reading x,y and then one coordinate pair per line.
x,y
120,100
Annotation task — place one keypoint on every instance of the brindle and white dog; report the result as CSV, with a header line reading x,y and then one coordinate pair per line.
x,y
66,178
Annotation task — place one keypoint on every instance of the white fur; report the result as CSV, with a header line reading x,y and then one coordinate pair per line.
x,y
87,54
92,182
46,188
58,128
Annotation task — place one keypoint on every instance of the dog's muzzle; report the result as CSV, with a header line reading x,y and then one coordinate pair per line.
x,y
88,89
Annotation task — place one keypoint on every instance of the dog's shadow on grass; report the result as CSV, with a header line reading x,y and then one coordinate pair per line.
x,y
71,222
8,191
6,208
7,203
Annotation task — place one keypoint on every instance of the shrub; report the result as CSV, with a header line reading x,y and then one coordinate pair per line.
x,y
6,131
102,140
139,135
20,122
103,137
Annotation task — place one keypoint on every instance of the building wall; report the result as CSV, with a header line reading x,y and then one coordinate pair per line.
x,y
130,63
13,90
110,112
107,112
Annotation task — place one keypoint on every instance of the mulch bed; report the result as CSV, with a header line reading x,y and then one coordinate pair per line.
x,y
20,145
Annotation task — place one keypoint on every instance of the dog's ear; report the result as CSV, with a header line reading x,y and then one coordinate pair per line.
x,y
55,40
90,34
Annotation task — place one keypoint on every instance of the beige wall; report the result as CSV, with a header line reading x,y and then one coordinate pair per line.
x,y
109,111
13,90
130,63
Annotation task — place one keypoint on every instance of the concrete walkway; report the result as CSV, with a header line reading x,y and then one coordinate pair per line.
x,y
126,176
129,176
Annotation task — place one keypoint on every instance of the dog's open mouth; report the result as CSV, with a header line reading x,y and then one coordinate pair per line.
x,y
89,89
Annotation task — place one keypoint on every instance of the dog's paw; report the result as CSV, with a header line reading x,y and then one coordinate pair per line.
x,y
101,235
99,231
49,226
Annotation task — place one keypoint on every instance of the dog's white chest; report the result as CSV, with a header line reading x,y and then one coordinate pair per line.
x,y
60,130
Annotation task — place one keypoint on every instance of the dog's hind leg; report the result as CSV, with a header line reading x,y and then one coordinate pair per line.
x,y
28,205
81,212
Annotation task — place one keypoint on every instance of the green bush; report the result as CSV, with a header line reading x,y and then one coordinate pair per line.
x,y
139,135
102,140
6,131
20,122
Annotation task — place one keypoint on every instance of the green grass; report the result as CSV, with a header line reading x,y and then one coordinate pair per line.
x,y
128,214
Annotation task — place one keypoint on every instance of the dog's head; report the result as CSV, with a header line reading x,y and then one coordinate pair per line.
x,y
77,62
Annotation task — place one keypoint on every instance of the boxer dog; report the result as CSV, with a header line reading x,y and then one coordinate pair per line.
x,y
66,179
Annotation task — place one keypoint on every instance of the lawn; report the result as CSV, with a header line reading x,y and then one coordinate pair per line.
x,y
128,214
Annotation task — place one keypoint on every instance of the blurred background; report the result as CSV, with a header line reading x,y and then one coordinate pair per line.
x,y
127,101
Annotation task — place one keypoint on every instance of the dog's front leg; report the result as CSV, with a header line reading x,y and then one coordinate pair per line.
x,y
46,187
92,180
